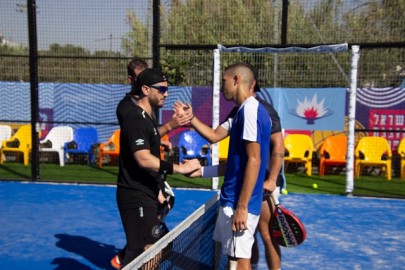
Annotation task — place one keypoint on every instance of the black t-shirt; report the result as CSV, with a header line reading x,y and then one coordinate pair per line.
x,y
138,131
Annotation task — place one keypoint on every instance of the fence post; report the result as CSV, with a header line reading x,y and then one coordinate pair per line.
x,y
33,62
352,119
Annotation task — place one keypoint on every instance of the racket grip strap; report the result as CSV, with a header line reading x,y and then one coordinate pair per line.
x,y
275,199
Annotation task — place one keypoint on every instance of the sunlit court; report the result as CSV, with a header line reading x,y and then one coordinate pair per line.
x,y
54,226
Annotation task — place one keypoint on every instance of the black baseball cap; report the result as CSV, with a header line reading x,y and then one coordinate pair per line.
x,y
148,77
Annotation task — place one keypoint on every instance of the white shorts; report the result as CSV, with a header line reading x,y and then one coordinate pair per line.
x,y
235,244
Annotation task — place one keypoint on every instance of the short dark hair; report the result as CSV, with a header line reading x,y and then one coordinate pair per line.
x,y
134,63
252,69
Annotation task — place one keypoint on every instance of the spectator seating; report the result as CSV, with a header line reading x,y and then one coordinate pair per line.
x,y
223,147
299,149
55,141
110,148
193,145
333,152
401,152
20,142
82,143
374,152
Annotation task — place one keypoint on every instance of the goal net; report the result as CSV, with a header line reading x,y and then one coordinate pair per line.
x,y
321,80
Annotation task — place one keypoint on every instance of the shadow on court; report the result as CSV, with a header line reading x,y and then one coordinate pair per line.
x,y
97,253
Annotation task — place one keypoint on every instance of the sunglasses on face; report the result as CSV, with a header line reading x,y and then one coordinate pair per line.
x,y
161,89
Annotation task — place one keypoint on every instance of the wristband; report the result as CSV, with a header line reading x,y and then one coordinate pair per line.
x,y
209,171
165,167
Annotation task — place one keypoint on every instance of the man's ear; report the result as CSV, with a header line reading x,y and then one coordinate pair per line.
x,y
145,90
235,80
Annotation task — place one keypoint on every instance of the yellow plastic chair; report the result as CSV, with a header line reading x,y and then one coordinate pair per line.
x,y
20,142
333,152
401,152
375,152
110,148
223,147
299,149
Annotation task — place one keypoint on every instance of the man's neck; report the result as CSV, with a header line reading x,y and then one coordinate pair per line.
x,y
240,98
145,105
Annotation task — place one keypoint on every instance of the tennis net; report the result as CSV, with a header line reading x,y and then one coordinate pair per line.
x,y
188,246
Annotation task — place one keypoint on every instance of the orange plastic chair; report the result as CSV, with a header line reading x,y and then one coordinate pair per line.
x,y
401,152
375,152
299,148
162,147
332,153
20,142
110,148
223,147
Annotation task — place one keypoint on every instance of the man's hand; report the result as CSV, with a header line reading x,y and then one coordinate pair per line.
x,y
239,220
189,166
183,109
196,173
269,185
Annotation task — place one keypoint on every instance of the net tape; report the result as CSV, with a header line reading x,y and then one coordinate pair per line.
x,y
188,246
318,49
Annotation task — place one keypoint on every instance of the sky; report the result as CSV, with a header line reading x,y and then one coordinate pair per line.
x,y
92,24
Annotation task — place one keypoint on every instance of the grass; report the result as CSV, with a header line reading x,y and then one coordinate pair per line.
x,y
366,185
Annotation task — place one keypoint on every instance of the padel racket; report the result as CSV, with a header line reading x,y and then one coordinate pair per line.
x,y
285,227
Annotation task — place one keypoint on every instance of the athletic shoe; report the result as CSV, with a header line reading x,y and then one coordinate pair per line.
x,y
116,262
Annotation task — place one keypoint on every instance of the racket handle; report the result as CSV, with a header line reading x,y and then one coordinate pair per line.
x,y
275,200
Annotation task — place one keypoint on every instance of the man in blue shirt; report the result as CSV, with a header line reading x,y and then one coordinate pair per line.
x,y
242,190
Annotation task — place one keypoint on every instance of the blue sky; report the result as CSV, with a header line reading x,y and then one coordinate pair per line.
x,y
92,24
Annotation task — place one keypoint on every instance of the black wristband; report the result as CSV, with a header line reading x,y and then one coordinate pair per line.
x,y
165,167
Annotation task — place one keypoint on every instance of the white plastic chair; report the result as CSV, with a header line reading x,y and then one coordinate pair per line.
x,y
58,136
5,133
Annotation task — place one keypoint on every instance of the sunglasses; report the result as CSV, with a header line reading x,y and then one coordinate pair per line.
x,y
161,89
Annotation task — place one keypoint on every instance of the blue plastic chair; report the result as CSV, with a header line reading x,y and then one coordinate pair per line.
x,y
192,145
83,140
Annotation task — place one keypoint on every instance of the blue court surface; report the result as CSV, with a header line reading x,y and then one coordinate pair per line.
x,y
54,226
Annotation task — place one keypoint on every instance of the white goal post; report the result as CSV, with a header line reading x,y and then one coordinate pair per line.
x,y
355,52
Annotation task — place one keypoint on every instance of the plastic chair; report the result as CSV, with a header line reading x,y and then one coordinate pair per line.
x,y
332,153
83,140
401,152
110,148
299,148
58,136
162,147
223,148
20,142
375,152
5,133
192,145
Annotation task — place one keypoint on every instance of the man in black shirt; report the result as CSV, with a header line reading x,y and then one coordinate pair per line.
x,y
139,183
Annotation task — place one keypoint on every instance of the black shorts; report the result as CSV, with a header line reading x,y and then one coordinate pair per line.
x,y
141,226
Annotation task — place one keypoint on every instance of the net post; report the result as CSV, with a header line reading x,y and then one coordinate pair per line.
x,y
355,55
215,110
